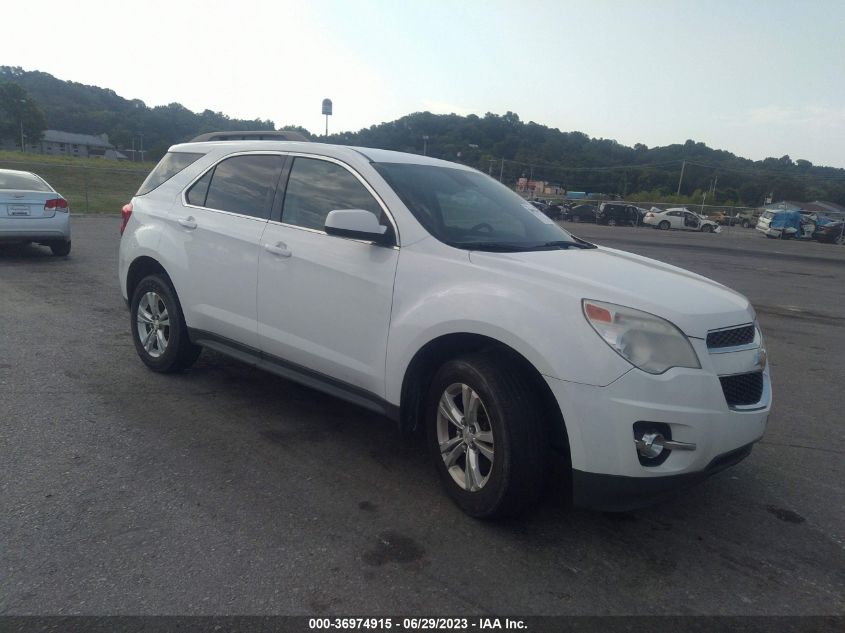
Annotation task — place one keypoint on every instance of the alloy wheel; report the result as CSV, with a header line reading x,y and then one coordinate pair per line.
x,y
153,323
465,436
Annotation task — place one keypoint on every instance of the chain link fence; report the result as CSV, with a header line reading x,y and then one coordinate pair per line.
x,y
87,189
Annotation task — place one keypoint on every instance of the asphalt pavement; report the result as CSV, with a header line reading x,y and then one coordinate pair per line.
x,y
225,490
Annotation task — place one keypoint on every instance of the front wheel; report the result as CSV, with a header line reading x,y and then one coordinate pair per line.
x,y
839,239
158,327
484,430
745,224
707,228
611,222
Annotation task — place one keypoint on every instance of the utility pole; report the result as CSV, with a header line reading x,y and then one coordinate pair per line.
x,y
425,144
681,179
490,170
502,170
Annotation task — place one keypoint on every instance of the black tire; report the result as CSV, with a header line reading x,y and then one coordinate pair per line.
x,y
576,218
745,224
178,353
664,225
611,222
60,249
514,479
707,228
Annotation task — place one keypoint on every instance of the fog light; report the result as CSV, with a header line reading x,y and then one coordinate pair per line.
x,y
650,445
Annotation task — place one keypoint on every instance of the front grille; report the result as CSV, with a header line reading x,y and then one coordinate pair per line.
x,y
742,335
742,389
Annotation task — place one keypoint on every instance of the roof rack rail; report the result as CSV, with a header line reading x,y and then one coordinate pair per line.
x,y
250,135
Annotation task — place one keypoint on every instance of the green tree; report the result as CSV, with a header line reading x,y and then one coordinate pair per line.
x,y
19,114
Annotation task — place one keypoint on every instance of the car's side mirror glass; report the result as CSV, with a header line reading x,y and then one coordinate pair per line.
x,y
358,224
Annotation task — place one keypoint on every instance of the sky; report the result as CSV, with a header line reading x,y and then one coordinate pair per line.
x,y
757,78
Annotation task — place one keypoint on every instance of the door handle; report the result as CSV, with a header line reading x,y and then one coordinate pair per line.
x,y
188,223
279,249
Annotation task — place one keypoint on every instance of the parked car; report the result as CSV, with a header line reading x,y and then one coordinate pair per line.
x,y
747,219
551,210
724,219
785,224
32,211
428,292
582,213
679,218
832,232
616,213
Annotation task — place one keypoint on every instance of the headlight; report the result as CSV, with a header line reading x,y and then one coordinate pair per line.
x,y
644,340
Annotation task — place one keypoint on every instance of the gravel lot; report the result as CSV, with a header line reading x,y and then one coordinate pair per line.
x,y
229,491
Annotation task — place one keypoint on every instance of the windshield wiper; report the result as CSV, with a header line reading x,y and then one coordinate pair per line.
x,y
567,244
499,247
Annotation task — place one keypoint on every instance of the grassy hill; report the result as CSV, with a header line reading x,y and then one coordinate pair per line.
x,y
91,185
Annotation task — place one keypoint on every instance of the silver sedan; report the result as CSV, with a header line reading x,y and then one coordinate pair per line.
x,y
32,211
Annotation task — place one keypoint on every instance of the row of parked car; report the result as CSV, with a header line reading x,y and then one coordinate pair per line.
x,y
785,225
774,224
624,214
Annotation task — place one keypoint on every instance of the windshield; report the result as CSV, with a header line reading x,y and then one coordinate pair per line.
x,y
469,210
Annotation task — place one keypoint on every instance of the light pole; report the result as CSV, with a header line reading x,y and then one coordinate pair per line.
x,y
21,121
425,144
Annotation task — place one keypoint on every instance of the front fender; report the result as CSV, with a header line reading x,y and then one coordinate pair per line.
x,y
440,292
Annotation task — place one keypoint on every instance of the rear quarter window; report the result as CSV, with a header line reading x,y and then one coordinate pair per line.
x,y
169,166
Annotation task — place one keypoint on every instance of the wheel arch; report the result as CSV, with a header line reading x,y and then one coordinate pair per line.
x,y
141,267
431,356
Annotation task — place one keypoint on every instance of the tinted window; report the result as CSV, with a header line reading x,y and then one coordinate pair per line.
x,y
197,192
245,185
169,166
22,181
470,210
317,187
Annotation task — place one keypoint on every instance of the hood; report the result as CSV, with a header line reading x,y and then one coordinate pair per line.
x,y
693,303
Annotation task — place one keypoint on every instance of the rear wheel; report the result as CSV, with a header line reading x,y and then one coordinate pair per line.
x,y
158,327
745,224
839,239
484,428
611,222
60,249
576,218
664,225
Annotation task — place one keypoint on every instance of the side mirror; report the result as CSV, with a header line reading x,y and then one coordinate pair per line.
x,y
357,224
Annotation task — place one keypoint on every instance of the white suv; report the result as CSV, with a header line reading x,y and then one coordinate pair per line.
x,y
430,293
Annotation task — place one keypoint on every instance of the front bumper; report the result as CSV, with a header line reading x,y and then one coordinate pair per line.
x,y
600,420
615,493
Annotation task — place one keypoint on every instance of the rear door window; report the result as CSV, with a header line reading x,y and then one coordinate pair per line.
x,y
243,184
